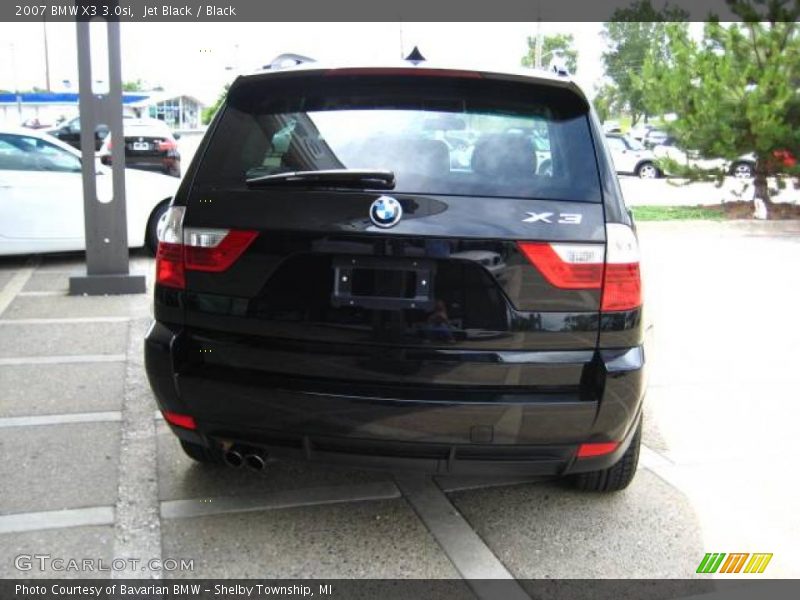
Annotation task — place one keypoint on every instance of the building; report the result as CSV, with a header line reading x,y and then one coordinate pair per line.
x,y
180,111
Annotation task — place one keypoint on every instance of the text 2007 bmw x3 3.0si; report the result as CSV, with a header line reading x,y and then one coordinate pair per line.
x,y
403,266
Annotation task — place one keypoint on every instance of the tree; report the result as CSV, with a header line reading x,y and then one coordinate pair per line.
x,y
606,102
560,44
737,91
209,112
632,34
132,86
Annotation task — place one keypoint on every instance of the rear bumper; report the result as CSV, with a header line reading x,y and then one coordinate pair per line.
x,y
535,434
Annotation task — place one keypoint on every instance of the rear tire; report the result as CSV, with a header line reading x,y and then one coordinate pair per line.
x,y
199,453
151,235
618,476
743,170
647,170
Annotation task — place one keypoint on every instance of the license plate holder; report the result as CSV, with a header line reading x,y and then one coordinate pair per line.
x,y
394,283
141,146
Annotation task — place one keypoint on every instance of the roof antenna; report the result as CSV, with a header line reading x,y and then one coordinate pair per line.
x,y
415,56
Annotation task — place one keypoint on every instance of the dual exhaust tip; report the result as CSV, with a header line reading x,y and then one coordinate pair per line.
x,y
251,458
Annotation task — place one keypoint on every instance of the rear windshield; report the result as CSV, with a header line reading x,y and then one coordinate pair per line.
x,y
453,136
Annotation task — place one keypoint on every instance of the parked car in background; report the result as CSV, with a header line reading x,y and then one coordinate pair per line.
x,y
654,137
612,127
639,132
35,124
149,145
632,158
743,167
70,132
41,196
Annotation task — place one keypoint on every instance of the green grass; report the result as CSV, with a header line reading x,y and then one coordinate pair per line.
x,y
676,213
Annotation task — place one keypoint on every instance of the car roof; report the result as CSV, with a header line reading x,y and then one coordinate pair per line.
x,y
40,134
425,66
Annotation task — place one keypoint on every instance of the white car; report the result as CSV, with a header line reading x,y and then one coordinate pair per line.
x,y
630,157
41,196
742,168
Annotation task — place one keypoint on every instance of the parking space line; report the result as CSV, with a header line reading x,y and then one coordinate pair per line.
x,y
201,507
137,529
460,483
16,283
653,459
57,519
60,360
471,557
64,321
42,293
63,419
81,271
661,466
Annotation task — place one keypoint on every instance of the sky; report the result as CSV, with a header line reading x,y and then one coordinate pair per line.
x,y
199,58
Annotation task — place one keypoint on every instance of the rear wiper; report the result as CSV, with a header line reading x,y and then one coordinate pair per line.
x,y
338,177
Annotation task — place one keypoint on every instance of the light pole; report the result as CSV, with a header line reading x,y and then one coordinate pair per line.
x,y
46,57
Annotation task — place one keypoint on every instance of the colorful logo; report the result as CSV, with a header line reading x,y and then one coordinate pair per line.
x,y
737,562
386,212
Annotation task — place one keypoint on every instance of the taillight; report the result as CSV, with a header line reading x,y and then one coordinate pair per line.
x,y
214,250
185,421
169,258
195,249
622,284
165,145
567,266
596,449
614,269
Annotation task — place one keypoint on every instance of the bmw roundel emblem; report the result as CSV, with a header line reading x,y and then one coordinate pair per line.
x,y
386,212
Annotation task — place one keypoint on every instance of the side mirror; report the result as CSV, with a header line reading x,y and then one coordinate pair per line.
x,y
177,136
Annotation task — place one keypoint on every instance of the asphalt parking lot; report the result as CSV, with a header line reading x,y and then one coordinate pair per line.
x,y
89,470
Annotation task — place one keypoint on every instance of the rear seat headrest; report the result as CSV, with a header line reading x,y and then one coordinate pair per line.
x,y
504,155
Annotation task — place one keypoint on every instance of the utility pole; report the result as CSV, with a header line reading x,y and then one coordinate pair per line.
x,y
46,57
539,44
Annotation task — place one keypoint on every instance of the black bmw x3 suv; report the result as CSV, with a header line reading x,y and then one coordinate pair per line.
x,y
403,266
